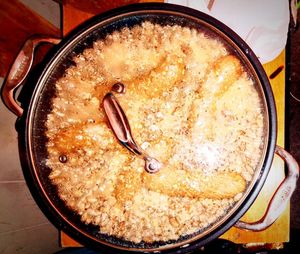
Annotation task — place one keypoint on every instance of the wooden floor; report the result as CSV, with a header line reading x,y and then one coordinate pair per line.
x,y
18,23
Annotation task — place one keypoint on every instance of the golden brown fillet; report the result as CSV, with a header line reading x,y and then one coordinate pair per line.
x,y
71,139
227,70
174,182
128,184
224,73
75,137
170,71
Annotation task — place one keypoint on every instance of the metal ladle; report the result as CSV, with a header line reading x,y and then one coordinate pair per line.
x,y
121,128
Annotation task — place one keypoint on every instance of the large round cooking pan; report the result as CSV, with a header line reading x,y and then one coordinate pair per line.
x,y
35,103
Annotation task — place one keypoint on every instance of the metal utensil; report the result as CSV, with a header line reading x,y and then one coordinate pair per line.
x,y
121,128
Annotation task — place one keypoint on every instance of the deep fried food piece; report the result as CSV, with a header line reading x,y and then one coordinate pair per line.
x,y
227,70
174,182
128,184
224,73
160,79
76,137
69,140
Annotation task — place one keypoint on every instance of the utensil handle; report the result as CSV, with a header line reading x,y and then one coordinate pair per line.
x,y
121,128
20,69
119,123
281,196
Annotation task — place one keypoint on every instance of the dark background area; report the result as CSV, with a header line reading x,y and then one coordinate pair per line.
x,y
293,113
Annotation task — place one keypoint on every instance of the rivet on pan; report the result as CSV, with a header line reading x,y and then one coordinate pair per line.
x,y
118,88
63,158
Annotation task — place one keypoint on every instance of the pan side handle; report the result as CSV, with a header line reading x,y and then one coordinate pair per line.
x,y
19,71
281,196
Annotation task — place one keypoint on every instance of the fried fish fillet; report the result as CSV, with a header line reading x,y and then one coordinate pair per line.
x,y
128,184
226,70
170,71
180,183
69,140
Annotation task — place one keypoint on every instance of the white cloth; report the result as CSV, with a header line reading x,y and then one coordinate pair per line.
x,y
263,24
